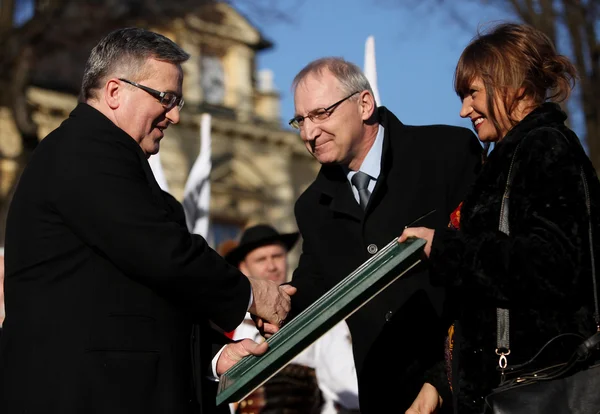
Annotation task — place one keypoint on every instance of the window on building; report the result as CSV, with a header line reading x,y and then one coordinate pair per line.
x,y
212,77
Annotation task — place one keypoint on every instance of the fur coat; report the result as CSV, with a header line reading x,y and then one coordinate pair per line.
x,y
541,272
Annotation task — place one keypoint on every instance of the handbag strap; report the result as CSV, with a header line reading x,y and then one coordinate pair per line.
x,y
503,315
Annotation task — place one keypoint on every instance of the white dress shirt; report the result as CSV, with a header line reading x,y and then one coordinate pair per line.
x,y
371,165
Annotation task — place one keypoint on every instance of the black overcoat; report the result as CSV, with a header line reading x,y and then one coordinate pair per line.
x,y
396,335
104,281
541,272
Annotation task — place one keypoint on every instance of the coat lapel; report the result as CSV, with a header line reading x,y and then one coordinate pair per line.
x,y
156,190
344,202
397,166
387,156
336,192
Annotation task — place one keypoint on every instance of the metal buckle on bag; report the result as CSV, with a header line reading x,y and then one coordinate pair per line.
x,y
502,361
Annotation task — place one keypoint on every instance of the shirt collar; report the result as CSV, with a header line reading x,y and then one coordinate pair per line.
x,y
372,162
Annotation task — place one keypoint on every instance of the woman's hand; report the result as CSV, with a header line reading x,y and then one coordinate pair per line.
x,y
427,402
421,233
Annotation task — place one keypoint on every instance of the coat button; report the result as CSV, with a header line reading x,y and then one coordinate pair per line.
x,y
388,315
371,248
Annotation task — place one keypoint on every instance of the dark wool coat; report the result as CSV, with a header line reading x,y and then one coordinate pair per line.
x,y
104,281
397,334
541,272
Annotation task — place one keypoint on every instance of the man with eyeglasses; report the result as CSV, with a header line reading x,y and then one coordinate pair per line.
x,y
111,302
377,176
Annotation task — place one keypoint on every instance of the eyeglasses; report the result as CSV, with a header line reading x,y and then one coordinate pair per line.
x,y
317,115
168,100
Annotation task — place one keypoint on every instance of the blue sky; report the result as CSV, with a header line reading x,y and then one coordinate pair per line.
x,y
417,42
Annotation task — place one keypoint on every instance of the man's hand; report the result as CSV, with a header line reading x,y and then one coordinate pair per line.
x,y
235,351
427,402
266,329
421,233
271,302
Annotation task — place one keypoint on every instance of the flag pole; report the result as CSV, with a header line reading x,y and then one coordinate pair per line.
x,y
370,69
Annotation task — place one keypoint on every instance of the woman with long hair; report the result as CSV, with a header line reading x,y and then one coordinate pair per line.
x,y
536,264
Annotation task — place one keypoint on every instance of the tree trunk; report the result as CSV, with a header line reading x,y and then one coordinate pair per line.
x,y
592,125
7,11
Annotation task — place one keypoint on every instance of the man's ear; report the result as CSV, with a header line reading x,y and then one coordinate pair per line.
x,y
112,93
367,105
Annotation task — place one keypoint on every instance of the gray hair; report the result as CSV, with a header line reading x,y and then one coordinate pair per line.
x,y
123,53
348,74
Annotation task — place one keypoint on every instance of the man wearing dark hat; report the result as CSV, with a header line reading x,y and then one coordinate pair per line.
x,y
262,253
327,366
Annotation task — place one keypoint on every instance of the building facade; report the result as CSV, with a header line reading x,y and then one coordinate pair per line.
x,y
259,168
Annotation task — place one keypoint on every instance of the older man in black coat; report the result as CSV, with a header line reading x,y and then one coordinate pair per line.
x,y
407,172
103,281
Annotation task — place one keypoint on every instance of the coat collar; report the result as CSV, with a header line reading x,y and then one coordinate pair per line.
x,y
546,114
95,120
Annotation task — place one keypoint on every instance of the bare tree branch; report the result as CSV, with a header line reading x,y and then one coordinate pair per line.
x,y
525,11
7,10
580,20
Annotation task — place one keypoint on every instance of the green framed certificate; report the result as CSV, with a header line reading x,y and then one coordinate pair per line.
x,y
356,289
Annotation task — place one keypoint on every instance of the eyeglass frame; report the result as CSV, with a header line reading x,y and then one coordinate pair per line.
x,y
160,96
295,121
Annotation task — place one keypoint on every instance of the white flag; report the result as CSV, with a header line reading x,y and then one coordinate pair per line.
x,y
370,67
196,195
157,170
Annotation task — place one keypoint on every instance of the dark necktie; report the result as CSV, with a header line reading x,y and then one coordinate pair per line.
x,y
360,180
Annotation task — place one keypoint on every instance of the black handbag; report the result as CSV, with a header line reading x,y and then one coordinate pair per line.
x,y
572,387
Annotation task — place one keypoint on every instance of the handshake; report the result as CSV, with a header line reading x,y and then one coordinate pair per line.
x,y
270,306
